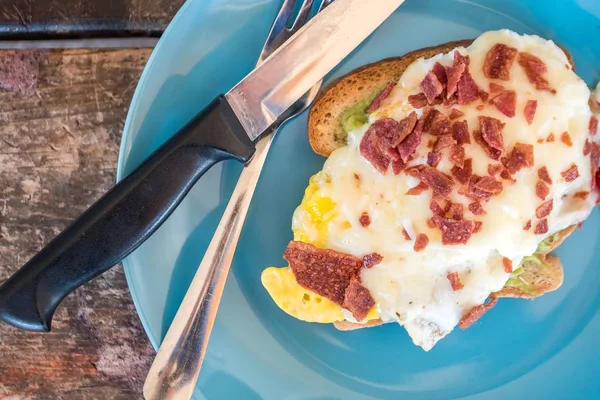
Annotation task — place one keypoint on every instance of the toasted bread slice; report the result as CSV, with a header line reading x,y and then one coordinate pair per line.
x,y
351,326
539,275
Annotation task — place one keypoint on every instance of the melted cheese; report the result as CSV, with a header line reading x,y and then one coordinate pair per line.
x,y
411,288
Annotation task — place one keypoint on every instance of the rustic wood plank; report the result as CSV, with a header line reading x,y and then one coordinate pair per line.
x,y
58,152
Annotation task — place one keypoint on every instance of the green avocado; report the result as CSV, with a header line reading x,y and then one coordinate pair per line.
x,y
356,116
548,244
515,282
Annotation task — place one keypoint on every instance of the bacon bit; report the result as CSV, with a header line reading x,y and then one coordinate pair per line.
x,y
492,153
494,87
544,175
566,139
431,223
410,144
405,234
541,190
550,137
535,68
325,272
540,140
493,169
457,155
430,143
508,265
583,195
365,219
356,177
529,111
593,126
506,102
484,96
467,89
498,61
475,313
417,100
480,107
594,159
455,113
456,211
507,176
375,149
431,86
436,209
579,225
442,142
487,184
454,74
397,166
381,96
454,280
491,132
435,123
439,183
541,227
571,173
417,190
421,242
371,260
587,147
357,299
478,225
440,73
454,232
527,226
544,209
520,156
460,132
433,159
476,208
463,174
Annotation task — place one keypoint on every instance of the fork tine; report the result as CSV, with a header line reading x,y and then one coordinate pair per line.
x,y
303,15
274,38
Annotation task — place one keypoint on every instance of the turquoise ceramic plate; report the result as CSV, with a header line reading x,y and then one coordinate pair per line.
x,y
549,347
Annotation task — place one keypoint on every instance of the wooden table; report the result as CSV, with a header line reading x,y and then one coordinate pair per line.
x,y
58,153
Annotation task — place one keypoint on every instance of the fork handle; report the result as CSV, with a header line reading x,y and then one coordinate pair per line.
x,y
123,218
175,369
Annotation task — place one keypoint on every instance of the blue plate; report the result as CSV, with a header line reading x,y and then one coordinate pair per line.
x,y
548,347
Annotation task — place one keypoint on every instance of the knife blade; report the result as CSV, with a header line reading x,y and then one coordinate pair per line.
x,y
128,214
263,95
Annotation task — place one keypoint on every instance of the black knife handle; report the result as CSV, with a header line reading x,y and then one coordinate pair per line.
x,y
123,218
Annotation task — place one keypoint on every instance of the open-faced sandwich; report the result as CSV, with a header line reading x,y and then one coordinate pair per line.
x,y
452,173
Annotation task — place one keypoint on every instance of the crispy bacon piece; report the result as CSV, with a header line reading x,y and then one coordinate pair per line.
x,y
566,139
488,184
357,299
583,195
478,226
381,97
544,209
534,69
529,111
440,73
431,86
456,211
455,113
397,166
498,61
463,174
495,88
492,153
436,209
484,96
491,132
374,146
527,225
412,141
476,208
417,100
467,89
550,138
508,265
443,142
521,156
417,190
365,219
325,272
403,129
454,280
433,158
435,123
593,126
541,227
460,132
541,190
587,147
405,234
493,169
371,260
544,175
504,174
436,180
454,74
454,232
475,313
571,173
457,155
506,102
594,159
421,242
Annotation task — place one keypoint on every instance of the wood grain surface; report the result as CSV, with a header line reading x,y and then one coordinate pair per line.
x,y
58,153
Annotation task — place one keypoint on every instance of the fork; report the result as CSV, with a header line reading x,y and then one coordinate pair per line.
x,y
175,370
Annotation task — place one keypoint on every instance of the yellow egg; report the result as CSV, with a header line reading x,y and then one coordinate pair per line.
x,y
301,303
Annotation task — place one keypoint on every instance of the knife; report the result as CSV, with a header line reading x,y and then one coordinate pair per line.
x,y
127,215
